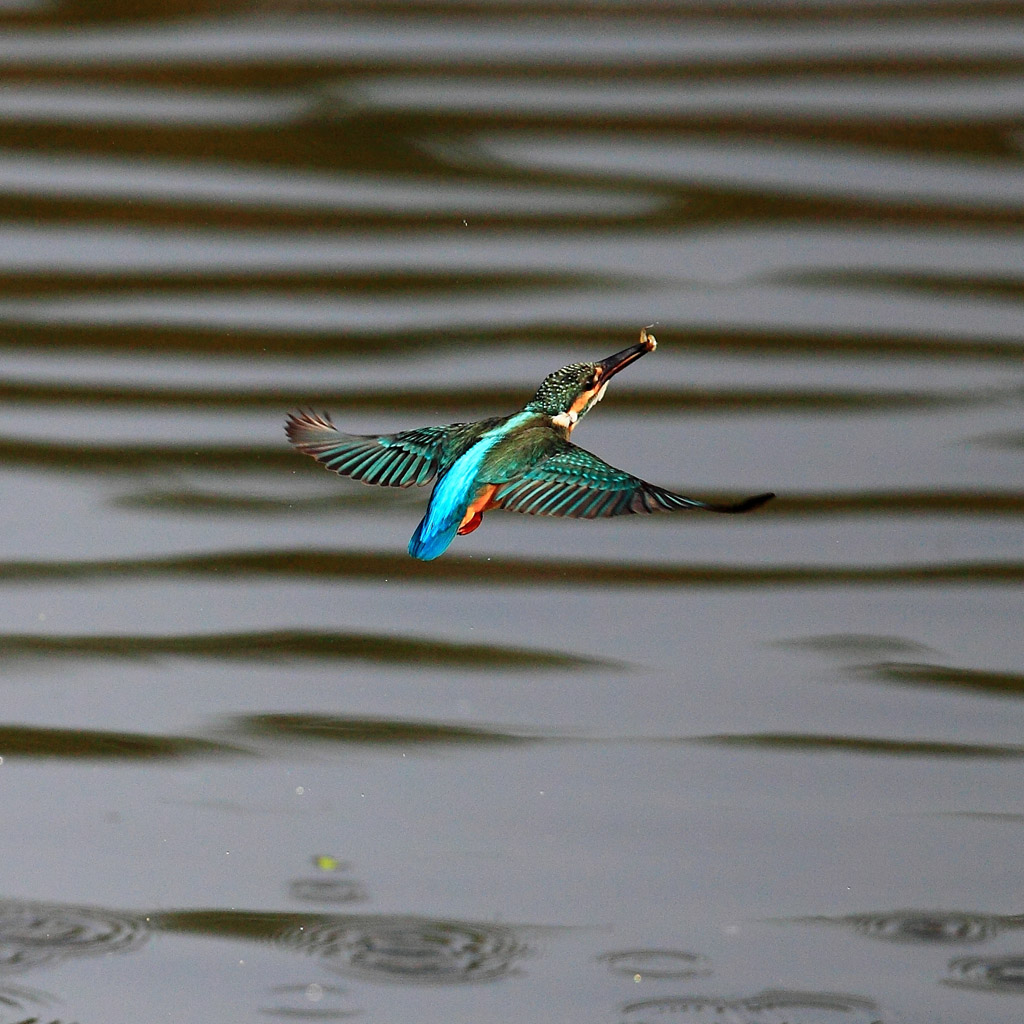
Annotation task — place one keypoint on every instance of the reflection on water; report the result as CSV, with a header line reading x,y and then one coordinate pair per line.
x,y
311,564
410,949
193,501
327,890
870,745
92,744
851,97
938,927
334,729
310,1002
854,646
421,950
657,963
379,947
106,105
285,646
457,398
330,886
994,684
770,1007
1010,818
33,934
193,186
850,175
133,459
25,1006
611,41
988,974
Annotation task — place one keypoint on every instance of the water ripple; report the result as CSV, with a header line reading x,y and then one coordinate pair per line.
x,y
758,312
848,173
22,1005
195,501
312,564
876,746
327,890
426,951
769,1007
457,398
89,744
988,974
195,184
309,1002
657,963
772,99
927,927
377,947
729,255
35,933
288,645
101,105
847,646
730,333
383,731
608,41
906,673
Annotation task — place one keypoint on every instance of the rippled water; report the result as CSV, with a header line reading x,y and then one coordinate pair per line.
x,y
259,763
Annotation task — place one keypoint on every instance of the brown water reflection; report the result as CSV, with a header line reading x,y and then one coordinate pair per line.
x,y
89,744
771,1005
492,571
425,951
903,503
988,974
927,927
333,729
460,399
33,934
993,684
287,645
389,948
872,745
142,335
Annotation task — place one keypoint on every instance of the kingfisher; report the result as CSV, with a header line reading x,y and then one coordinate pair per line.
x,y
524,462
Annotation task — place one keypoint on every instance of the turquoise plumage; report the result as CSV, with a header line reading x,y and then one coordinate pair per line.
x,y
524,462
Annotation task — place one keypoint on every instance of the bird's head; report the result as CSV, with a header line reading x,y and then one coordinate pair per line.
x,y
569,393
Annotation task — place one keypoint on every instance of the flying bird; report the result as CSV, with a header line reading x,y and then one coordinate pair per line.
x,y
525,462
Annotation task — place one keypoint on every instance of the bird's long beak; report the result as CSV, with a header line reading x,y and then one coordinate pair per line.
x,y
611,366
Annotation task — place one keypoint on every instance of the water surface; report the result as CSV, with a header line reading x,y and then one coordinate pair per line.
x,y
261,764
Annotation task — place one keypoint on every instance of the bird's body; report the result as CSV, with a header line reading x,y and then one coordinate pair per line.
x,y
524,462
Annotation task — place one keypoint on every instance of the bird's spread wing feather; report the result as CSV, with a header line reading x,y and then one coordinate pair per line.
x,y
572,482
391,460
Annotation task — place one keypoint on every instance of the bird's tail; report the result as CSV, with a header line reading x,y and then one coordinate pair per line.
x,y
429,545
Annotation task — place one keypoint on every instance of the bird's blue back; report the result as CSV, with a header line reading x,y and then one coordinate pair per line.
x,y
453,492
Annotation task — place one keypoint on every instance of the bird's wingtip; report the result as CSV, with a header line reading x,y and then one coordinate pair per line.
x,y
746,505
755,501
303,426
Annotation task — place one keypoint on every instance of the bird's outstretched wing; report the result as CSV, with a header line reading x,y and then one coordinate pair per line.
x,y
572,482
391,460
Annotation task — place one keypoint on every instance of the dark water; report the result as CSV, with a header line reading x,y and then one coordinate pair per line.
x,y
258,763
